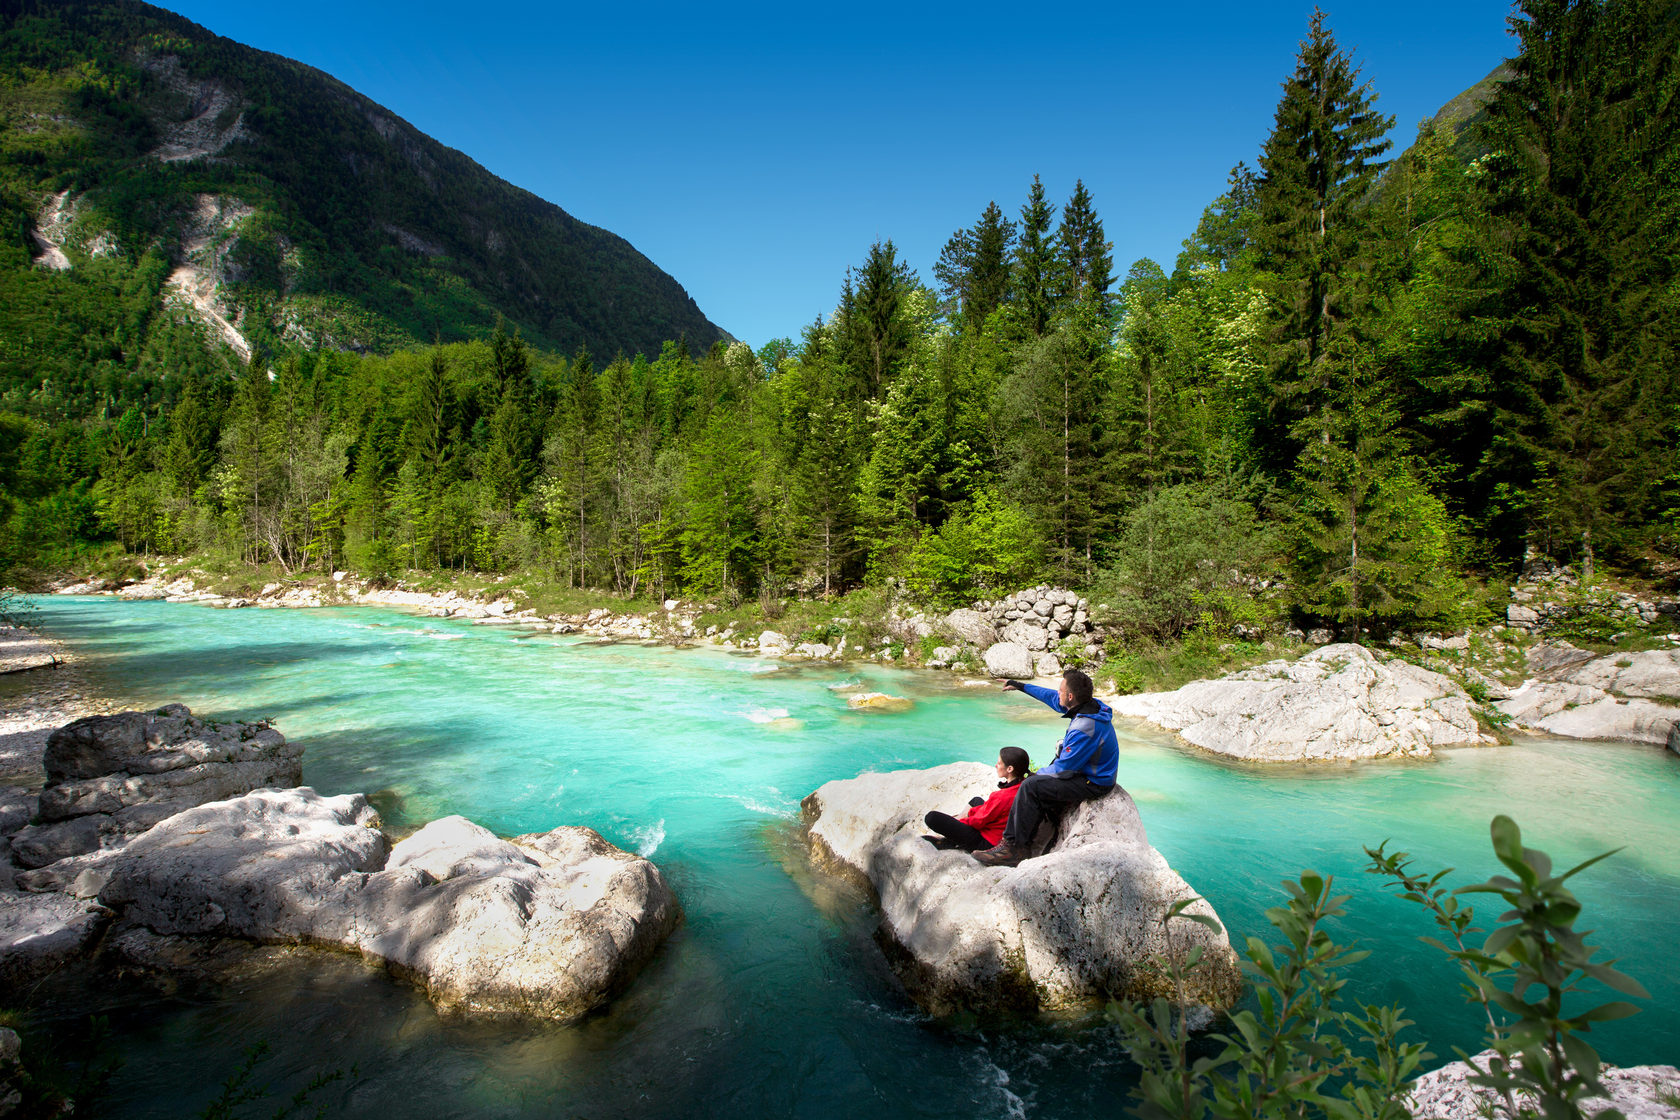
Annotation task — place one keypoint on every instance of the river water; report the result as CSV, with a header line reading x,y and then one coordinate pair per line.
x,y
771,998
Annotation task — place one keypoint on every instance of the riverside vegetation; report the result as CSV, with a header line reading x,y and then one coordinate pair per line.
x,y
1300,1053
1362,386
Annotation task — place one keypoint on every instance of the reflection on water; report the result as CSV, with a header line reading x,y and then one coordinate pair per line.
x,y
772,997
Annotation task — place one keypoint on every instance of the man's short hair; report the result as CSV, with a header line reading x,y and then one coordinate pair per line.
x,y
1079,685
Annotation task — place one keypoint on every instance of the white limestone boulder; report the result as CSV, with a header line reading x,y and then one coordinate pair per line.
x,y
269,866
550,926
1070,929
1621,696
1006,659
972,627
1336,703
1638,1092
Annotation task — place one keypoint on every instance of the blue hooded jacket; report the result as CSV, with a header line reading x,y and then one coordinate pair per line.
x,y
1090,746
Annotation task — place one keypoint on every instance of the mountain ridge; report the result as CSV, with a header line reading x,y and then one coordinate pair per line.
x,y
296,208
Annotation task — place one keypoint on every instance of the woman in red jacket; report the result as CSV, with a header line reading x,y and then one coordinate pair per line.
x,y
982,826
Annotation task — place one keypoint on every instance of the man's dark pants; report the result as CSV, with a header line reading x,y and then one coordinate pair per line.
x,y
1046,795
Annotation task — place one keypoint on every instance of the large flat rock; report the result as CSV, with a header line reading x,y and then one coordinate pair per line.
x,y
1337,703
1070,929
551,926
1634,697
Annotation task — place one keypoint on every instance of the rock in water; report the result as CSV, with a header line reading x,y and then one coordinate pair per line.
x,y
1339,702
551,926
112,777
1674,737
1067,930
1638,1092
879,702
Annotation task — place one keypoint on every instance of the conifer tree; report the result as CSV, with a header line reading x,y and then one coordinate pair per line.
x,y
875,335
1086,271
1317,167
973,269
1034,273
1584,140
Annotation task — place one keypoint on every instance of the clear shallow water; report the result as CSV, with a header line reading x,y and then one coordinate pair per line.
x,y
772,998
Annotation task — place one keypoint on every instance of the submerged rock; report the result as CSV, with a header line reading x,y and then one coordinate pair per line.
x,y
1070,929
551,925
879,702
1624,696
1336,703
1638,1092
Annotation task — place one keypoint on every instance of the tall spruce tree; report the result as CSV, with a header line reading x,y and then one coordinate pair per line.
x,y
875,334
1317,168
1034,270
973,269
1583,138
1086,271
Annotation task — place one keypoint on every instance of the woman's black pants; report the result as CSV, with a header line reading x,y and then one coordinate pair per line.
x,y
965,836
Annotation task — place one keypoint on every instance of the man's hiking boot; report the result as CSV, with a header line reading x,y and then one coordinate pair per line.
x,y
1004,855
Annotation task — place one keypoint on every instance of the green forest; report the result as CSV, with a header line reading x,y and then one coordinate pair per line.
x,y
1370,382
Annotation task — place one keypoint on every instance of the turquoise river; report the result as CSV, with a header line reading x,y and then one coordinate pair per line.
x,y
772,999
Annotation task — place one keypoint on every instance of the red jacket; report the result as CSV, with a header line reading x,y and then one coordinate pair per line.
x,y
991,817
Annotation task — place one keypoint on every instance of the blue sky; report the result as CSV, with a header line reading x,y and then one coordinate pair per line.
x,y
755,151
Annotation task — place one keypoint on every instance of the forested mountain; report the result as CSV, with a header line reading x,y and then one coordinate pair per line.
x,y
1367,382
147,165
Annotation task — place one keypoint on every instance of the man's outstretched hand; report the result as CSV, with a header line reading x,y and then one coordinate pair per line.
x,y
1010,685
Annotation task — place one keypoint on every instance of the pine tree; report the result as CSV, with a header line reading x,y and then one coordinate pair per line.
x,y
1033,276
1583,139
973,269
1317,167
1086,271
875,335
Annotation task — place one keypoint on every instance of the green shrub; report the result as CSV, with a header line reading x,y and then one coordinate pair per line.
x,y
1181,557
1301,1052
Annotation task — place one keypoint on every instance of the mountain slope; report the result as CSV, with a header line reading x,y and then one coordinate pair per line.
x,y
184,174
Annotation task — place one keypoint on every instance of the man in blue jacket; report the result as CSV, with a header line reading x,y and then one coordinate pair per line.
x,y
1083,770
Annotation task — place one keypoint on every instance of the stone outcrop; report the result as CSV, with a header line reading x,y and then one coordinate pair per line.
x,y
1638,1092
1622,696
112,777
1336,703
548,925
1072,928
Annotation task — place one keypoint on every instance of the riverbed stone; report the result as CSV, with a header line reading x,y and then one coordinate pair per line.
x,y
1336,703
1067,930
550,926
1008,659
771,642
1674,737
40,844
1638,1092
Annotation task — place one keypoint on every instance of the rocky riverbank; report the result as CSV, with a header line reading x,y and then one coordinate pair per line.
x,y
152,827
